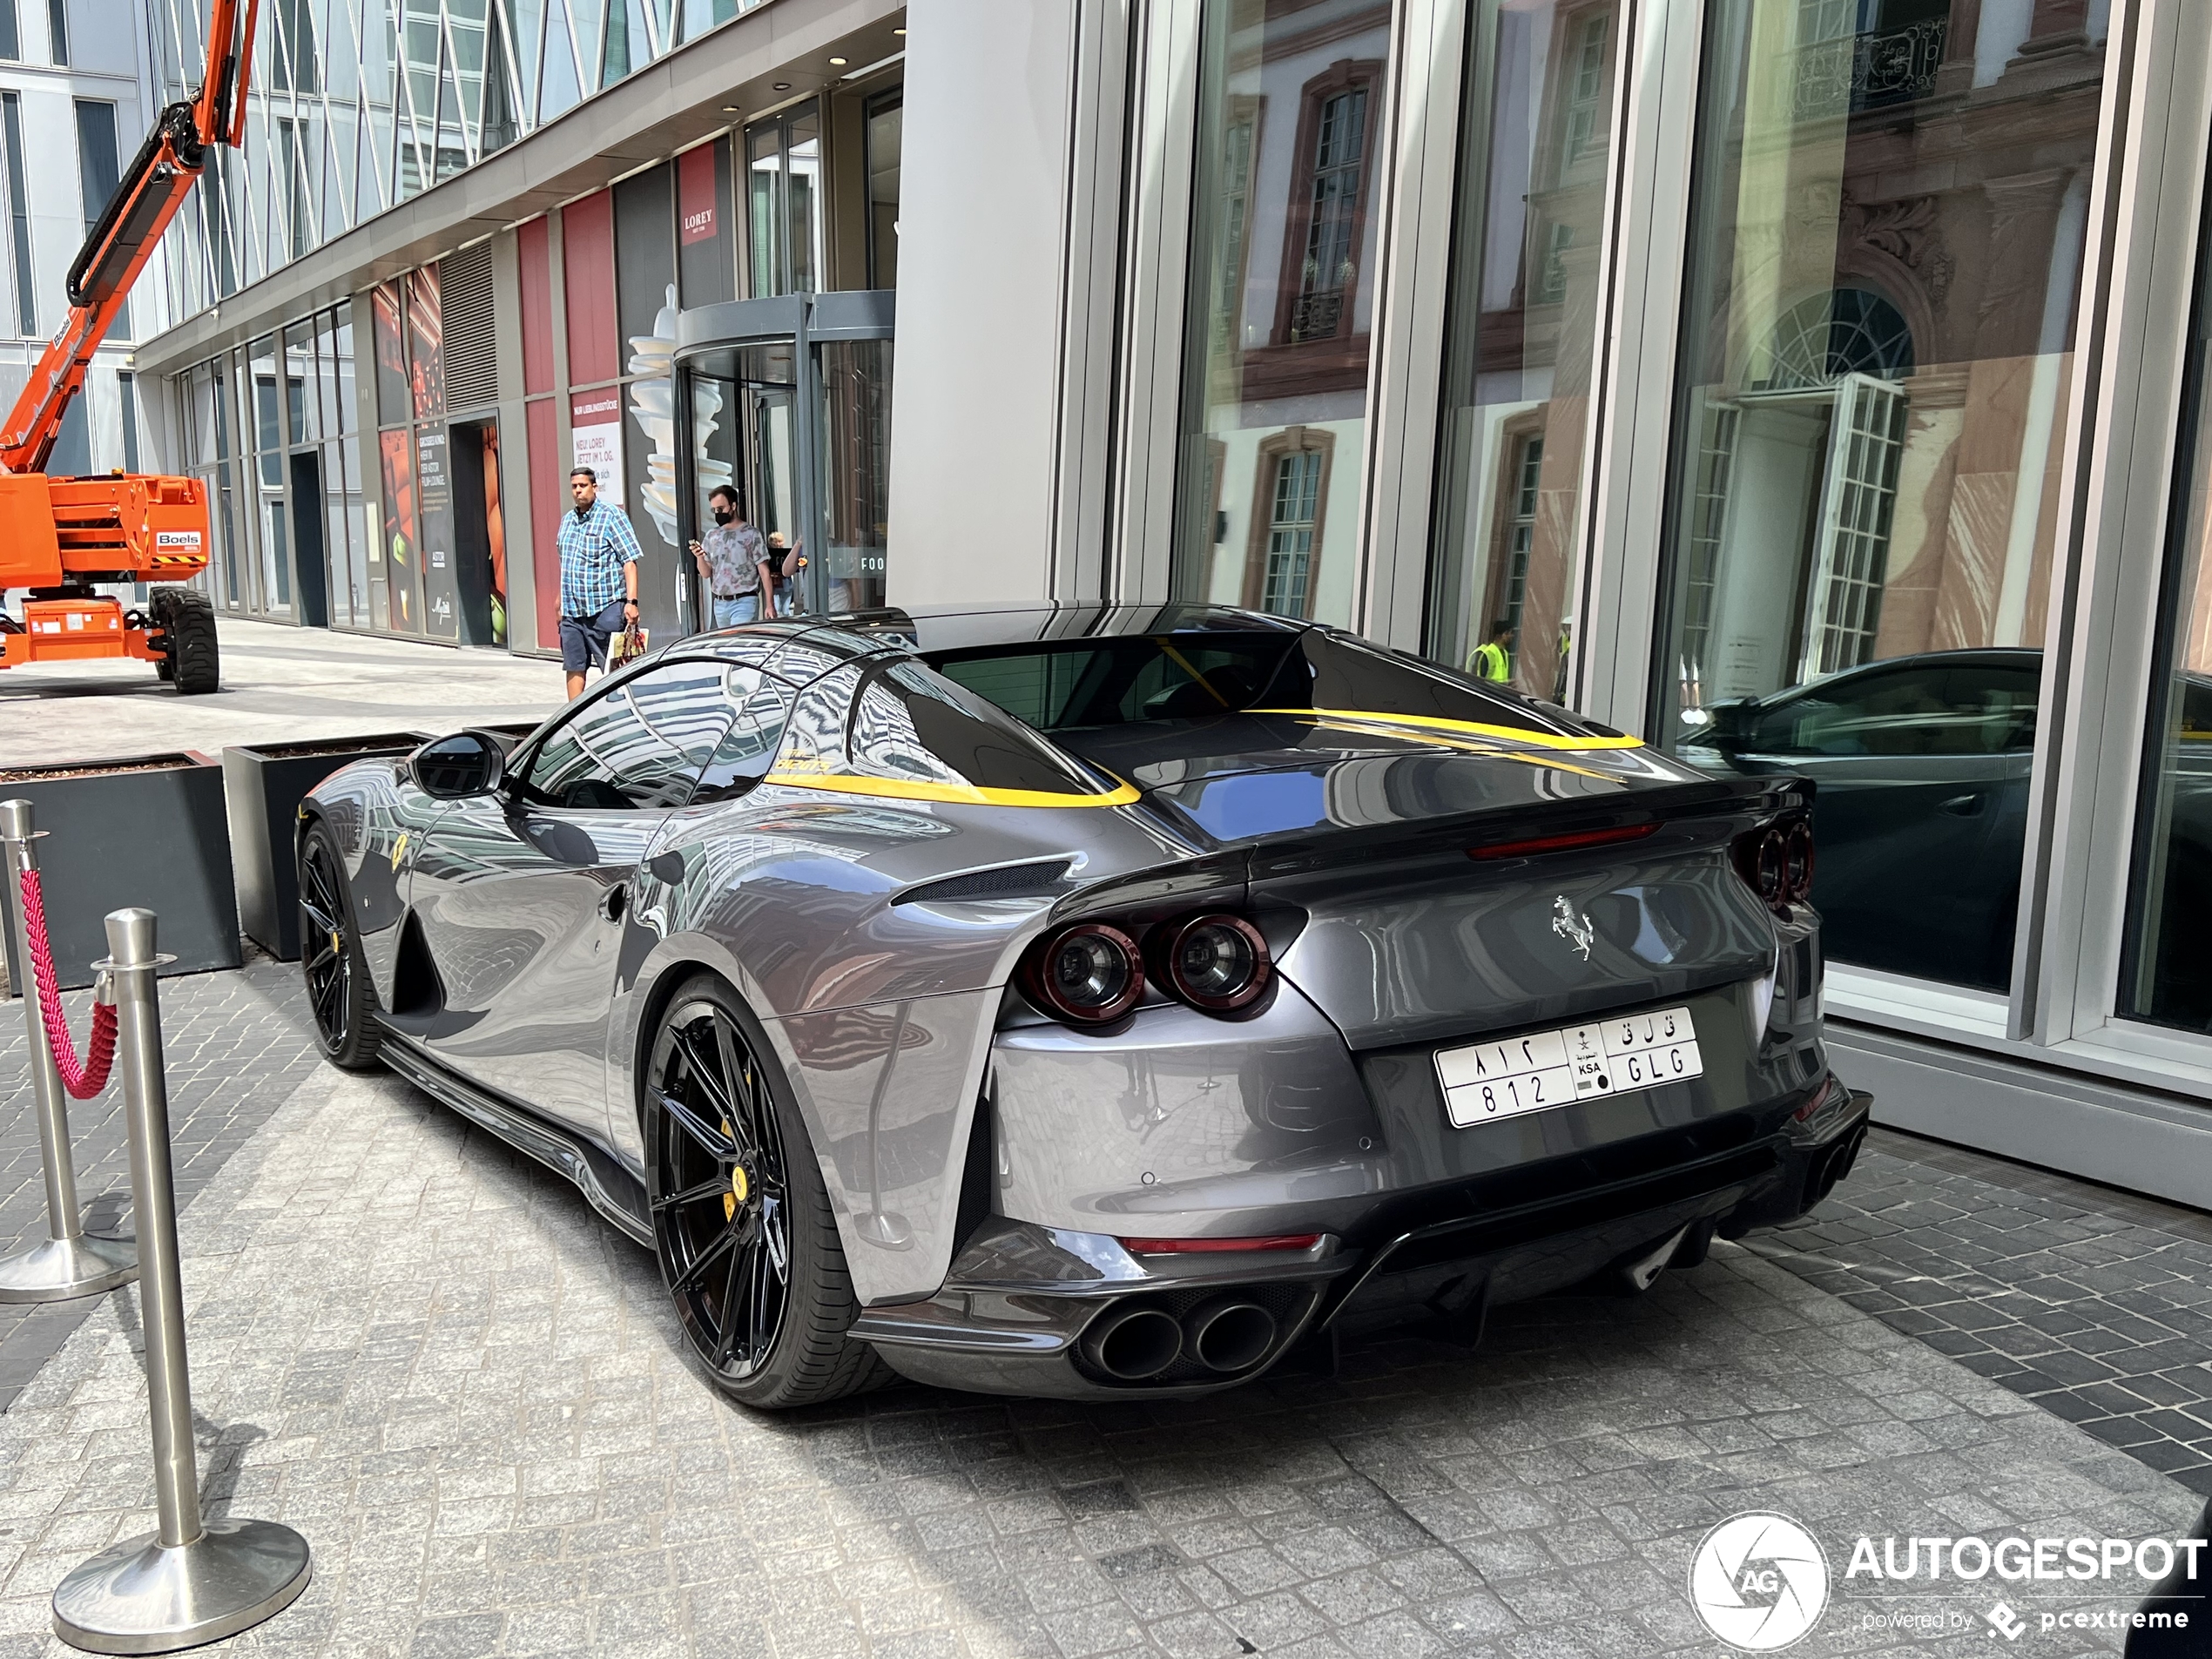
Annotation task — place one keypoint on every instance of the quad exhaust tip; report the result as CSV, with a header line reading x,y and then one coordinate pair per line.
x,y
1228,1334
1138,1341
1133,1344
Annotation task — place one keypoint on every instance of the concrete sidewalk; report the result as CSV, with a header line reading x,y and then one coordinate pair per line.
x,y
280,684
466,1390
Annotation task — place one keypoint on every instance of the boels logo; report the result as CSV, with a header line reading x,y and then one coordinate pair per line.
x,y
177,541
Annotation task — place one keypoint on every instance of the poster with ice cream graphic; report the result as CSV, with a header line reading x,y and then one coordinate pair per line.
x,y
652,405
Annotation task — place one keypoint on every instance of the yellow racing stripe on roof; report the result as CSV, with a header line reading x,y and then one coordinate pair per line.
x,y
1437,723
943,793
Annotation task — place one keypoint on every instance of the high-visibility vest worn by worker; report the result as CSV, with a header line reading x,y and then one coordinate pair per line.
x,y
1490,662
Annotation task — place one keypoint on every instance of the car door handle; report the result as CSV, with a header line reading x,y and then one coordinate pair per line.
x,y
612,901
1963,806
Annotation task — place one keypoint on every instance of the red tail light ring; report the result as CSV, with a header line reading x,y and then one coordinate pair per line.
x,y
1776,861
1217,963
1088,973
1800,862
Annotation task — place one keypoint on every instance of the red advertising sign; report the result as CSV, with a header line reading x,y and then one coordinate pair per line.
x,y
695,194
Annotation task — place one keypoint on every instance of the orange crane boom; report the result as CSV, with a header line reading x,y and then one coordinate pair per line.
x,y
60,536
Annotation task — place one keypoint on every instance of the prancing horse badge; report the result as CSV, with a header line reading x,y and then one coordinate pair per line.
x,y
1575,929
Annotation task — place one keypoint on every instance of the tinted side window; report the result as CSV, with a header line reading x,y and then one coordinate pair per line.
x,y
639,745
897,728
1920,710
1995,706
762,707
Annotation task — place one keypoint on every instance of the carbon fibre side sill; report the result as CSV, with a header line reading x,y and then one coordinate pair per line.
x,y
604,1183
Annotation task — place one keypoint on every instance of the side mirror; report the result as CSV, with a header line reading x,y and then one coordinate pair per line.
x,y
468,763
1733,722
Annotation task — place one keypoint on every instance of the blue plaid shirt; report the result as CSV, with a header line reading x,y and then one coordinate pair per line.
x,y
594,548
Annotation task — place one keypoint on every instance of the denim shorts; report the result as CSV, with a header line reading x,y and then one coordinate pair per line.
x,y
584,640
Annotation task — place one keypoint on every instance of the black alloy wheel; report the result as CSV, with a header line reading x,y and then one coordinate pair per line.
x,y
330,959
742,1223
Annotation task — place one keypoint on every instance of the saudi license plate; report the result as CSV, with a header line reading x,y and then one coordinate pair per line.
x,y
1542,1069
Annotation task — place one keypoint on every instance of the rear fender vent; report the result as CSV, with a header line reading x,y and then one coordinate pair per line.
x,y
1007,881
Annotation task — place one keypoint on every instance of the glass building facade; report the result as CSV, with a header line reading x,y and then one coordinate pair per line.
x,y
422,496
1807,385
357,105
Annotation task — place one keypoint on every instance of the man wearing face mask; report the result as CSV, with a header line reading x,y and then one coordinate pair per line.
x,y
733,561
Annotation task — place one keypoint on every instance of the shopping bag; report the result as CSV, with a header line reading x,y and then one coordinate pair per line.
x,y
629,645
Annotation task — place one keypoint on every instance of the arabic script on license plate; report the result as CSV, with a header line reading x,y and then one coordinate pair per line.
x,y
1541,1070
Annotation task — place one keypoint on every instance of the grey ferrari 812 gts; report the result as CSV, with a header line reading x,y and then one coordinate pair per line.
x,y
1089,1003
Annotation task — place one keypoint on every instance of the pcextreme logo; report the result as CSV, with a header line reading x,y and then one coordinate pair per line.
x,y
1759,1581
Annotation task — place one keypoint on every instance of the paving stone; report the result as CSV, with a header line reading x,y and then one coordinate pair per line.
x,y
219,1092
432,1359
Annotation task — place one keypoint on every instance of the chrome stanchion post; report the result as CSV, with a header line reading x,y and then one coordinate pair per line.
x,y
195,1580
68,1263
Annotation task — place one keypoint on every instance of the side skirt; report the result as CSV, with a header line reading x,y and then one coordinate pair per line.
x,y
611,1190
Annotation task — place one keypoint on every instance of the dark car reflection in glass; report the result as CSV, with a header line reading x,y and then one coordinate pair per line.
x,y
1922,764
2166,973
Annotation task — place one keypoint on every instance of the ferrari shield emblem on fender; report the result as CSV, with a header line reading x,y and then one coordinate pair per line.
x,y
1575,929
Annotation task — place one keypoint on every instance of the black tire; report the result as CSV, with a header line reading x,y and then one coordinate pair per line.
x,y
186,618
341,1000
160,617
742,1222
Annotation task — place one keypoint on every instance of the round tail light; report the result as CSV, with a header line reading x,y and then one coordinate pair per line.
x,y
1088,974
1774,869
1217,963
1797,871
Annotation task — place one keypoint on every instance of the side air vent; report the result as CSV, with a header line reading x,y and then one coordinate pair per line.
x,y
1007,881
472,362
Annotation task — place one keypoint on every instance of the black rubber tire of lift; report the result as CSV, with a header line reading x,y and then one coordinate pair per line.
x,y
187,619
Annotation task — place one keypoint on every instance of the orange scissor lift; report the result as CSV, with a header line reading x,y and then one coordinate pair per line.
x,y
59,537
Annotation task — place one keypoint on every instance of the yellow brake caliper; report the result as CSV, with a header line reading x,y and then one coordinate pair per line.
x,y
736,1194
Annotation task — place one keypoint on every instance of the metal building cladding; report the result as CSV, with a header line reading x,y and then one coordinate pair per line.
x,y
1798,385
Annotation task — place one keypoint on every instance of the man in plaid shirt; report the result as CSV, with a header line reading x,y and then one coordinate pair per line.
x,y
599,557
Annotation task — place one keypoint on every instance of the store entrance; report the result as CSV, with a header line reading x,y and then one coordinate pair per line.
x,y
479,535
788,399
308,538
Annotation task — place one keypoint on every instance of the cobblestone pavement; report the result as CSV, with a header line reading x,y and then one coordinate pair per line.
x,y
2097,1305
237,1044
431,1358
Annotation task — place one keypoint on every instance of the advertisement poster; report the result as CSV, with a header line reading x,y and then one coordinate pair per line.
x,y
393,401
595,438
399,542
494,536
426,356
433,490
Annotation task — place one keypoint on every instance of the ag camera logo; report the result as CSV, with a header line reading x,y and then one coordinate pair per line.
x,y
1759,1581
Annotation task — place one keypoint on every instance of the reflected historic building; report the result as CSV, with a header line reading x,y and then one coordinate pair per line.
x,y
1280,314
1536,145
1888,223
1888,246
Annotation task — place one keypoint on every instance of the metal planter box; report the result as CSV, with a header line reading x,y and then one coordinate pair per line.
x,y
265,784
148,830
